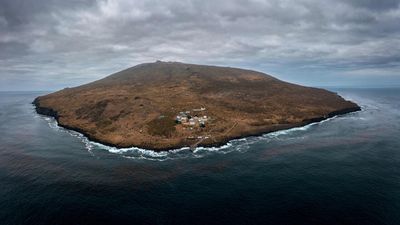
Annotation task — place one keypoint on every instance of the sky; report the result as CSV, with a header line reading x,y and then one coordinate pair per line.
x,y
52,44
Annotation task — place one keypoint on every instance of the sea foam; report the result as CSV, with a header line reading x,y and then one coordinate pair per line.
x,y
235,145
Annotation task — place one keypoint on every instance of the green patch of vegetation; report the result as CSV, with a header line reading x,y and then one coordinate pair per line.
x,y
92,112
162,126
121,114
103,123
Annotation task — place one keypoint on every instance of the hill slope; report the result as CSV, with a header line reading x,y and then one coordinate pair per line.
x,y
167,105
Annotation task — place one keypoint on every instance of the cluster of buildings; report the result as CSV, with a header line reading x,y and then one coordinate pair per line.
x,y
187,119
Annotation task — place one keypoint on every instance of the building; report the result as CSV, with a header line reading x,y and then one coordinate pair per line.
x,y
185,118
199,110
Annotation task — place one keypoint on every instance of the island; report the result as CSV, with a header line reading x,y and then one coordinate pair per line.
x,y
169,105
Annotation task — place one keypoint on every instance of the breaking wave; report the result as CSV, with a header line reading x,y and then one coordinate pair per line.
x,y
236,145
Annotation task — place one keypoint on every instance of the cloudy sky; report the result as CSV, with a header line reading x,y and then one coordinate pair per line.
x,y
51,44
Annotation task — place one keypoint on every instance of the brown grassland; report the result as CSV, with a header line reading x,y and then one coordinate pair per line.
x,y
138,106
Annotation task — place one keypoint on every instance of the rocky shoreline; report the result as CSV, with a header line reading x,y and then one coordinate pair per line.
x,y
52,113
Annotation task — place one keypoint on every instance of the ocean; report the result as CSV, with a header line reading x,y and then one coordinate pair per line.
x,y
345,170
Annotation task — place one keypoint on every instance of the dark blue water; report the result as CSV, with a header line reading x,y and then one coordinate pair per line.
x,y
343,171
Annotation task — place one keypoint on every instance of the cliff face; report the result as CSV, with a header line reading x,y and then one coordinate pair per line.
x,y
165,105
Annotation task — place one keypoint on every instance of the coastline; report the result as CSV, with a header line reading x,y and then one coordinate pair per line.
x,y
52,113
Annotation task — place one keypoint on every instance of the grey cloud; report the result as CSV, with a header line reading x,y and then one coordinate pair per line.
x,y
72,42
375,5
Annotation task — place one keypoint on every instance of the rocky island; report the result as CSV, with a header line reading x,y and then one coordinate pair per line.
x,y
168,105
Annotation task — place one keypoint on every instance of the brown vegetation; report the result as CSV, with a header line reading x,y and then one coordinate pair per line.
x,y
137,106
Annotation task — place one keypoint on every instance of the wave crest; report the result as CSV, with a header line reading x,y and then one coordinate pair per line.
x,y
236,145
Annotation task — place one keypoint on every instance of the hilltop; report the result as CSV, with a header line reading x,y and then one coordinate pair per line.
x,y
166,105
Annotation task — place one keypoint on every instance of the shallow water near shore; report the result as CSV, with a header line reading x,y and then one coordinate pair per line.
x,y
345,170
